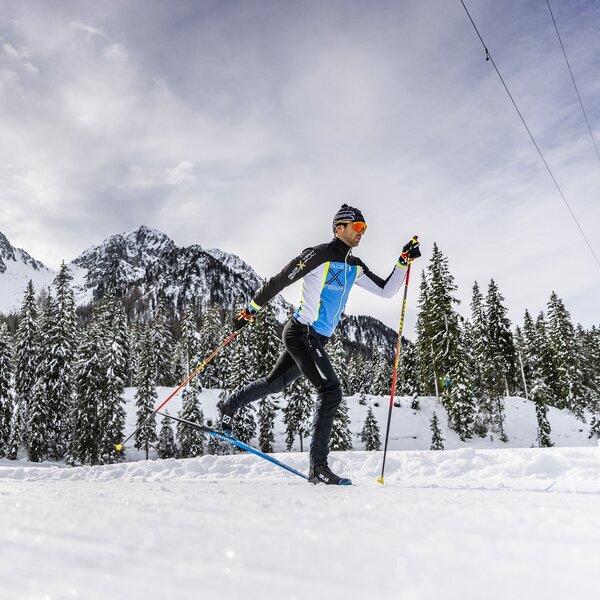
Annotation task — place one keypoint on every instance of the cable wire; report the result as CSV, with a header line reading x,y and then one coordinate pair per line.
x,y
573,80
488,56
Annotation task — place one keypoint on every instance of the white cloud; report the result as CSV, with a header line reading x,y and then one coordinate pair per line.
x,y
10,50
182,173
32,69
80,26
283,113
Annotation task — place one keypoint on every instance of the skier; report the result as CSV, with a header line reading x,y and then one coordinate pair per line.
x,y
329,271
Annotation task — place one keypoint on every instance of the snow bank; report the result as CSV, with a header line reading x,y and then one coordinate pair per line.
x,y
564,469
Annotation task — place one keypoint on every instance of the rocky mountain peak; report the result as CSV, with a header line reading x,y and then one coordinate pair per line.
x,y
7,252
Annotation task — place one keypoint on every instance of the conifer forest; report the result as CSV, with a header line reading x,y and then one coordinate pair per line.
x,y
64,370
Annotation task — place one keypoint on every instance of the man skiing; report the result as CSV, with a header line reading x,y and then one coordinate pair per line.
x,y
329,271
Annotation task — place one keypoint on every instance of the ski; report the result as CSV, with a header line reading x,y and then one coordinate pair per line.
x,y
233,440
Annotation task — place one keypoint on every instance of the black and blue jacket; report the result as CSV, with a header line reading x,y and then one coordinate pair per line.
x,y
329,272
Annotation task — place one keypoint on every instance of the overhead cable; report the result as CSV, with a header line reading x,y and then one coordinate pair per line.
x,y
488,57
573,80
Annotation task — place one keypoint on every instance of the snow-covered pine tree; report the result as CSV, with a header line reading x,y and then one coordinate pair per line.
x,y
58,338
534,344
482,366
370,432
493,357
546,364
115,350
146,396
210,336
590,391
500,342
6,395
298,412
590,342
426,369
191,440
162,343
458,393
569,384
135,344
37,423
437,441
26,356
266,424
166,447
190,338
523,368
540,394
266,346
381,375
180,361
341,436
240,371
40,414
595,425
440,331
409,380
528,352
90,386
16,431
357,375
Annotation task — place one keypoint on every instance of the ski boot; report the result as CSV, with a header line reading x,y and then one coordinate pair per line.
x,y
226,413
323,474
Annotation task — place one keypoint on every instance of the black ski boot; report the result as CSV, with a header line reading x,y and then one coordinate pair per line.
x,y
226,413
323,474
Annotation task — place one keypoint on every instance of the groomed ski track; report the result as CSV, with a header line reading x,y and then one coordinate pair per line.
x,y
464,524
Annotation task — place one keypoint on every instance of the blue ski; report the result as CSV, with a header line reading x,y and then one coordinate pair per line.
x,y
233,440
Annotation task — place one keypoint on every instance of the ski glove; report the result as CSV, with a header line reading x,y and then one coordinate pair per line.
x,y
245,316
410,251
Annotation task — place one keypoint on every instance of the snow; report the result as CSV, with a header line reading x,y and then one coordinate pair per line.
x,y
465,523
452,524
409,428
16,277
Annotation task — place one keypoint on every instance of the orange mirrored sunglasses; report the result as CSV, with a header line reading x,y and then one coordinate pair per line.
x,y
359,226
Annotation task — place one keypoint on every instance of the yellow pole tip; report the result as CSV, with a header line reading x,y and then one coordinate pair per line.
x,y
118,447
380,480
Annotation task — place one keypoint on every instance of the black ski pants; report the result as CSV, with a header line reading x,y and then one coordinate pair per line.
x,y
304,355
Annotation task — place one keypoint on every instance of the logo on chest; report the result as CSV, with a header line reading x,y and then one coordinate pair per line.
x,y
335,279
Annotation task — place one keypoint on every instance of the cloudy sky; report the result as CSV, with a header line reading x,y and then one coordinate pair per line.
x,y
243,125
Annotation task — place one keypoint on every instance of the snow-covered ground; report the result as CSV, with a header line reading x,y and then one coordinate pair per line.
x,y
514,523
482,519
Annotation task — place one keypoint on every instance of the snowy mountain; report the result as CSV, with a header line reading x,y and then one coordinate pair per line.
x,y
143,264
139,266
17,267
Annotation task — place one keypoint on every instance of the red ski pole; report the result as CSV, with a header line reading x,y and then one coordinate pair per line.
x,y
395,374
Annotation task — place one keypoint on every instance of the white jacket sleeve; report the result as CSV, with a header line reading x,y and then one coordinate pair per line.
x,y
382,287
